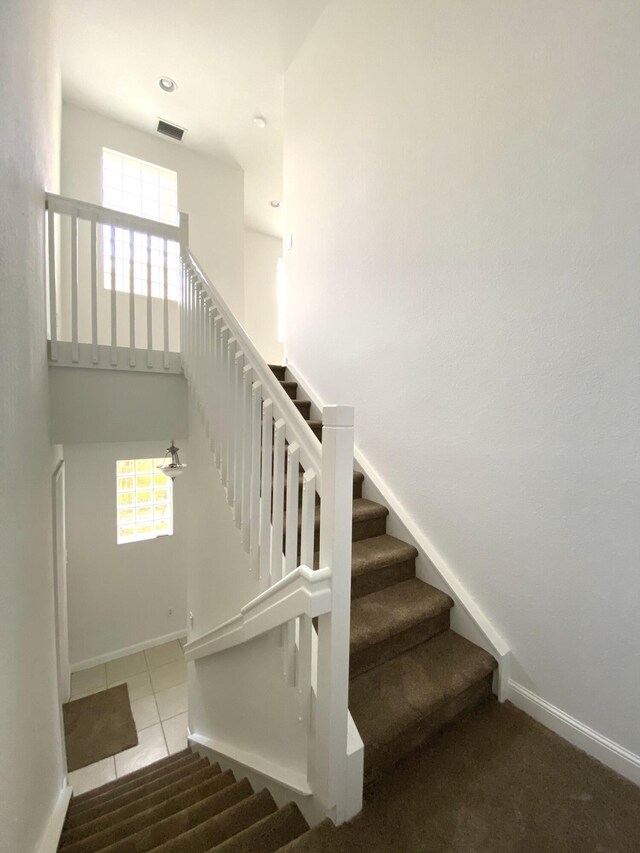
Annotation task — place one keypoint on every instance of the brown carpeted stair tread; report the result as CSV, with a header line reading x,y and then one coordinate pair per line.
x,y
130,784
394,619
290,387
216,830
120,797
155,768
366,515
137,804
321,837
400,696
159,831
315,427
304,407
378,562
269,834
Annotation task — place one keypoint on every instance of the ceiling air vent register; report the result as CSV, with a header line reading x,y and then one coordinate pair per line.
x,y
171,130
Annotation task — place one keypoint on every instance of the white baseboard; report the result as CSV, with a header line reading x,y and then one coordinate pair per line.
x,y
468,618
610,753
129,650
51,835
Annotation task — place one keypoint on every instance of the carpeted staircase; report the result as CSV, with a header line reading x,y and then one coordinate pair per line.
x,y
410,675
181,804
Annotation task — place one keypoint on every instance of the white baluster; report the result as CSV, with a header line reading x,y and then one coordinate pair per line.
x,y
277,561
247,373
231,432
265,496
75,353
132,302
239,439
94,289
224,375
308,518
165,305
53,319
291,549
149,307
256,475
114,319
218,413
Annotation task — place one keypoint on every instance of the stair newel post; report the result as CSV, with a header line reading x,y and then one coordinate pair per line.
x,y
330,759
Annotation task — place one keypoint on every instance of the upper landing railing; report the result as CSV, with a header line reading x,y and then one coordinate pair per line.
x,y
113,287
126,293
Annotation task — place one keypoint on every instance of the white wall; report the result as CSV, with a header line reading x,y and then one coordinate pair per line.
x,y
209,191
92,405
462,182
119,595
31,771
261,255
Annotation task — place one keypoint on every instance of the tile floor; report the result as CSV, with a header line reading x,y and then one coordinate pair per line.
x,y
158,692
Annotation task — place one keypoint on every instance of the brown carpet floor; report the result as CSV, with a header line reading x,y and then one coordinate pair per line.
x,y
495,782
97,726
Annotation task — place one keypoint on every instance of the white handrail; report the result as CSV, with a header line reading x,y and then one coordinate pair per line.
x,y
304,592
109,216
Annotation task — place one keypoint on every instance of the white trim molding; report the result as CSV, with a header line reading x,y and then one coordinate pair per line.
x,y
129,650
53,830
301,592
468,618
597,745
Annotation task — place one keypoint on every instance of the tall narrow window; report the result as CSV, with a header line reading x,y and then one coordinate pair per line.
x,y
144,189
143,500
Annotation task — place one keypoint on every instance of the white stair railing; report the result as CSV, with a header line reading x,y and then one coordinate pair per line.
x,y
264,451
113,286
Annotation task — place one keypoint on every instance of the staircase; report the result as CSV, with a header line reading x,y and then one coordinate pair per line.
x,y
181,804
410,674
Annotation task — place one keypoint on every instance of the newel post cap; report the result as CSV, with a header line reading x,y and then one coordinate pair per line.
x,y
337,416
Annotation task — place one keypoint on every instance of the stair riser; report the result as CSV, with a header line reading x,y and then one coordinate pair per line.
x,y
270,834
131,786
120,832
382,578
221,827
376,654
183,821
123,798
380,759
104,821
368,528
154,770
304,407
278,371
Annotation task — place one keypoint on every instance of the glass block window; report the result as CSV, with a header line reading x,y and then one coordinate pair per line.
x,y
144,189
143,500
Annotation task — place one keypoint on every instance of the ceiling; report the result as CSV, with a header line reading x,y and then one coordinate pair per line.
x,y
228,58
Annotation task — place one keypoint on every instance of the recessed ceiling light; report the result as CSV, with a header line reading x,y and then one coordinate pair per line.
x,y
167,84
260,121
274,203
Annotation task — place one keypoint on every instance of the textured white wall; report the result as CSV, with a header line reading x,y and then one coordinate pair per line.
x,y
209,191
462,182
119,595
261,255
31,771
